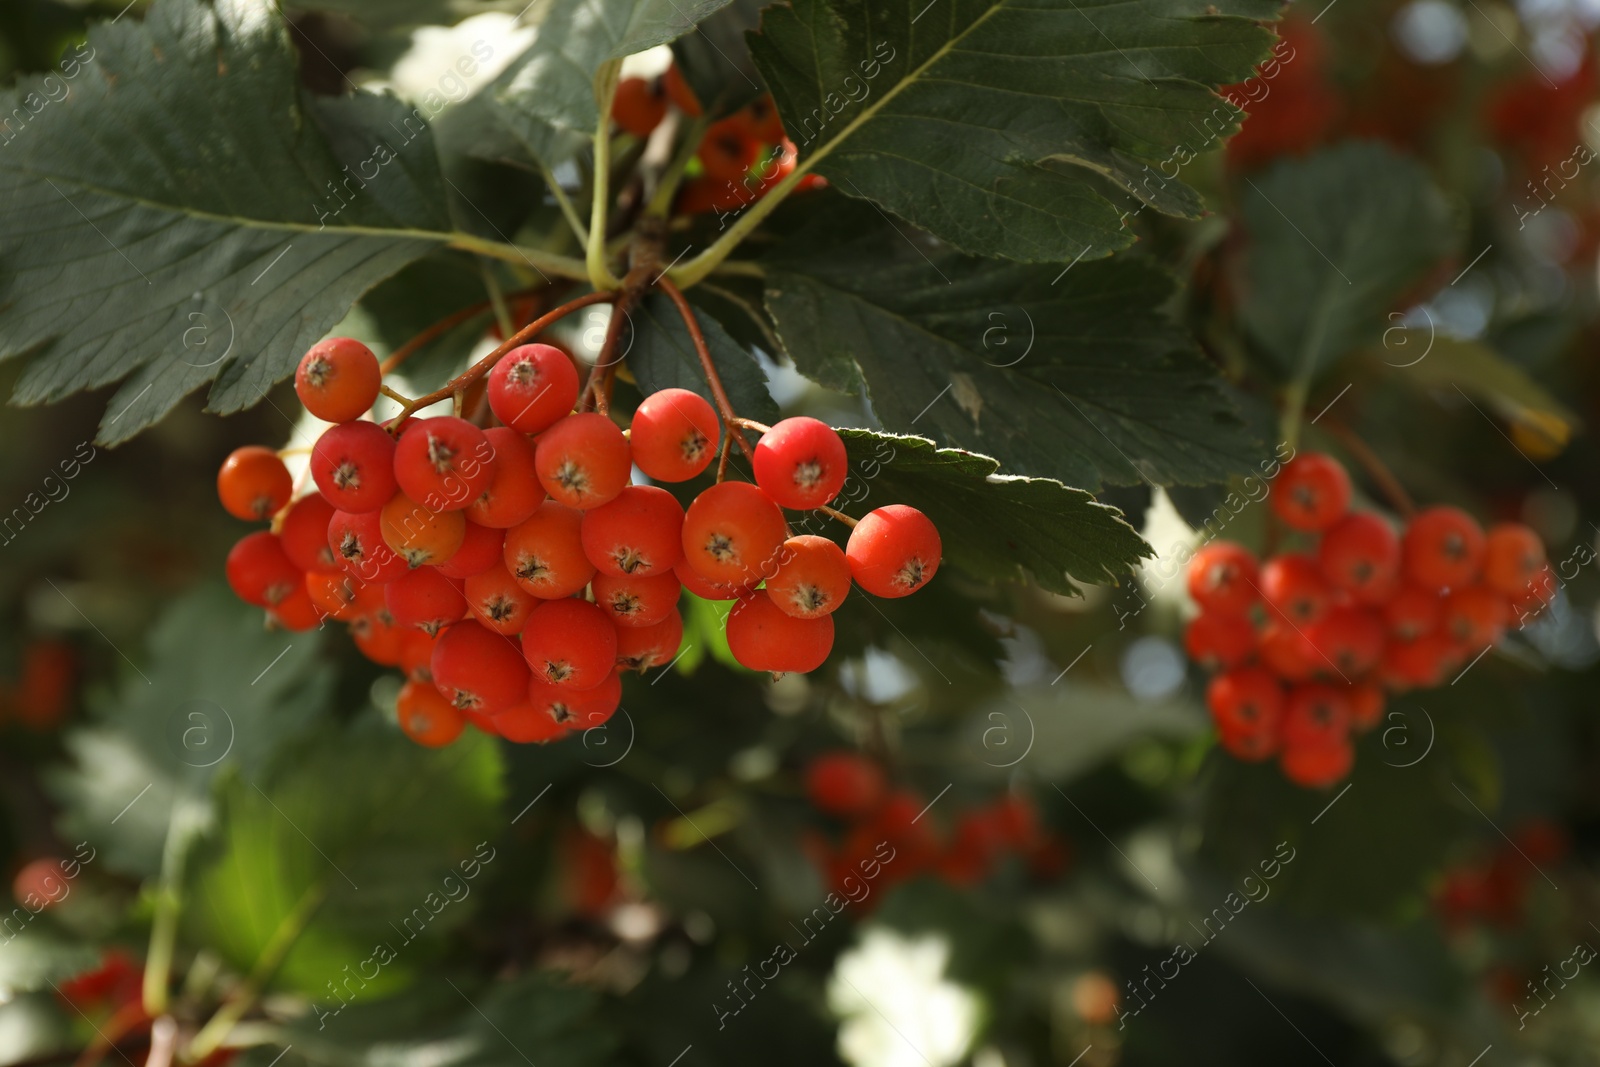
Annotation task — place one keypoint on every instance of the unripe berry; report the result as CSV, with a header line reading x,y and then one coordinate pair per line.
x,y
425,599
1442,549
583,461
577,709
443,463
642,647
253,483
497,601
259,572
1292,585
674,434
353,466
1361,555
1317,766
893,551
1219,641
419,536
638,533
763,638
633,601
545,553
532,387
514,491
426,716
1513,556
358,546
1224,578
801,463
732,533
812,577
570,643
479,669
1312,492
481,548
846,784
338,379
305,535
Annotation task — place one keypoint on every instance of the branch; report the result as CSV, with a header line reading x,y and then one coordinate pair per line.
x,y
482,367
841,516
598,388
718,393
443,326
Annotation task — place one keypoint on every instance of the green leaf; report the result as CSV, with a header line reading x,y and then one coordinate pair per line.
x,y
1022,130
217,690
547,96
661,356
1335,240
186,214
361,838
35,958
392,14
1080,375
1446,364
995,527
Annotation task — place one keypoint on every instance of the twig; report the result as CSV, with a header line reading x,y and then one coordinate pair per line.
x,y
1375,467
482,367
398,397
752,424
444,325
497,297
564,202
718,393
841,516
597,390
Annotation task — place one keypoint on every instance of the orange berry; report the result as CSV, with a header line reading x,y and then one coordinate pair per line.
x,y
253,483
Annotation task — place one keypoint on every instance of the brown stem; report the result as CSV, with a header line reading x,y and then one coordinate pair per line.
x,y
718,393
752,424
722,462
480,368
841,516
597,390
397,397
444,325
1375,467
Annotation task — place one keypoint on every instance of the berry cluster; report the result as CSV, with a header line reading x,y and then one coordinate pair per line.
x,y
739,158
1308,642
1493,888
514,571
852,788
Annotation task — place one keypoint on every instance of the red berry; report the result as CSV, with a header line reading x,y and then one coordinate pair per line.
x,y
305,535
353,465
296,612
1361,555
1366,706
727,152
1315,715
583,461
1348,640
642,647
1513,555
1288,652
1224,578
577,709
545,553
1474,616
732,533
1219,641
1317,767
640,532
478,669
253,483
1312,492
674,435
426,716
1442,549
1292,584
1420,664
812,577
335,595
765,639
426,599
846,784
259,572
416,655
1412,612
419,536
513,492
704,588
638,106
444,463
378,638
679,93
532,387
523,725
1539,595
893,551
634,601
358,545
801,463
1247,700
570,643
338,379
496,599
481,548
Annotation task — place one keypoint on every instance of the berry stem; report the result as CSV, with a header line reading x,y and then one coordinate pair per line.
x,y
1375,467
397,397
597,390
752,424
564,202
841,516
600,275
718,393
483,366
449,322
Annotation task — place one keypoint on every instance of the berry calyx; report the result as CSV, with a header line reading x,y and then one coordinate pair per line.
x,y
498,601
576,709
893,551
583,461
570,643
763,638
357,543
674,435
1311,492
1315,715
338,379
812,577
640,532
353,466
1292,585
532,387
253,483
801,463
